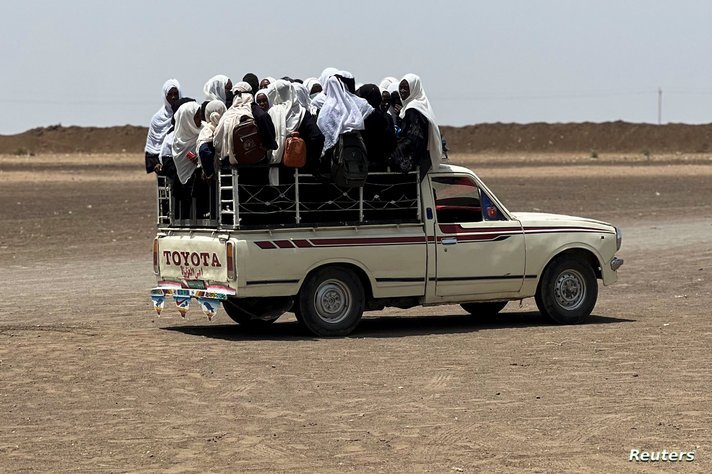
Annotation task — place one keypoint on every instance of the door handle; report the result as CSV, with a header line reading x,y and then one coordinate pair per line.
x,y
448,240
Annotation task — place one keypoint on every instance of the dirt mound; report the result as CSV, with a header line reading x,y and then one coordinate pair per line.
x,y
59,139
580,137
495,137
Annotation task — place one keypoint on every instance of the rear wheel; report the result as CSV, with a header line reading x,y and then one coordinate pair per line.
x,y
331,302
568,290
256,313
487,310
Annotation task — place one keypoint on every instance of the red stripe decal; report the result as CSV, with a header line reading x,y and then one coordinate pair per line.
x,y
302,243
369,241
265,244
284,244
458,229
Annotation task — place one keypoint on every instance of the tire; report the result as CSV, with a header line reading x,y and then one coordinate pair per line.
x,y
331,302
255,313
487,310
568,290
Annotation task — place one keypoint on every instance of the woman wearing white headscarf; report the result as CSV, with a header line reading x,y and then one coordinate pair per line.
x,y
206,149
185,157
342,112
302,94
185,139
263,99
289,116
218,88
313,86
420,143
241,107
161,125
318,100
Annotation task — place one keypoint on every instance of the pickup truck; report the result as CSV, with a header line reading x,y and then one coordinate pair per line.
x,y
447,239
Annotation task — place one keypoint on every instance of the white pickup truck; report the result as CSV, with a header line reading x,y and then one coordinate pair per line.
x,y
329,254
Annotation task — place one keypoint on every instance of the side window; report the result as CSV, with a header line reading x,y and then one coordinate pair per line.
x,y
457,199
489,210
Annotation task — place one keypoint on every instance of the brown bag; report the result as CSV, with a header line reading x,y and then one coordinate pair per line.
x,y
247,144
295,151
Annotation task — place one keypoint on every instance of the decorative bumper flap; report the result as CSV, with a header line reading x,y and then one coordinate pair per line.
x,y
209,299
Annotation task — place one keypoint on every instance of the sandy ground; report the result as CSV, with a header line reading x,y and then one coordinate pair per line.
x,y
91,381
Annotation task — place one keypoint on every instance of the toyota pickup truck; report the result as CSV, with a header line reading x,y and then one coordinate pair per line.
x,y
329,254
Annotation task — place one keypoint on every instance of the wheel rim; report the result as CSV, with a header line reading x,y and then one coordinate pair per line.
x,y
332,301
570,289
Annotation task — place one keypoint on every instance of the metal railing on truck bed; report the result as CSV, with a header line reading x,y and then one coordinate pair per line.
x,y
306,200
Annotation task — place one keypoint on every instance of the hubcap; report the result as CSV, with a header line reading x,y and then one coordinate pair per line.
x,y
570,289
332,301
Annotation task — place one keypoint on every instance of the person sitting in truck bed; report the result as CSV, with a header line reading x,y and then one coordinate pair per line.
x,y
318,100
420,143
289,116
219,88
342,112
184,151
206,149
313,86
379,134
240,110
265,126
161,124
244,108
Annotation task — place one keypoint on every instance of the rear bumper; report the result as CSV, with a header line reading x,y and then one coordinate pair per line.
x,y
209,298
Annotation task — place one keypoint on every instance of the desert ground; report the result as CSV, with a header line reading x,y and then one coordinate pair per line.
x,y
91,380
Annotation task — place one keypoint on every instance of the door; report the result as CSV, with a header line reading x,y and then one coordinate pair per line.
x,y
478,251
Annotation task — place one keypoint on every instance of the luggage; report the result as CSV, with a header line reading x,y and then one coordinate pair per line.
x,y
349,166
295,151
247,144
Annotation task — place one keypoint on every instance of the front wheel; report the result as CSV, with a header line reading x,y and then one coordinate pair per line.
x,y
567,291
331,302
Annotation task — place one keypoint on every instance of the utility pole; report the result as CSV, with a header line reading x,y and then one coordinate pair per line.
x,y
660,106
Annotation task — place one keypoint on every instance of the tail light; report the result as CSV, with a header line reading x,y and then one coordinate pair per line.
x,y
231,270
156,270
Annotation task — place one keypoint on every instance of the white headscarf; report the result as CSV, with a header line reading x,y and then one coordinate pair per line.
x,y
213,112
309,83
184,140
326,74
318,101
161,121
302,94
417,100
214,89
342,112
264,92
386,82
241,107
287,114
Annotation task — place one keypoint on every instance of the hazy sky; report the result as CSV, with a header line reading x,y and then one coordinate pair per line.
x,y
103,63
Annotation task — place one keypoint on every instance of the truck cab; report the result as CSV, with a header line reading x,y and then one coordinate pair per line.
x,y
329,254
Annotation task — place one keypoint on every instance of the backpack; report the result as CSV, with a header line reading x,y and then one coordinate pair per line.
x,y
247,144
295,151
349,166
